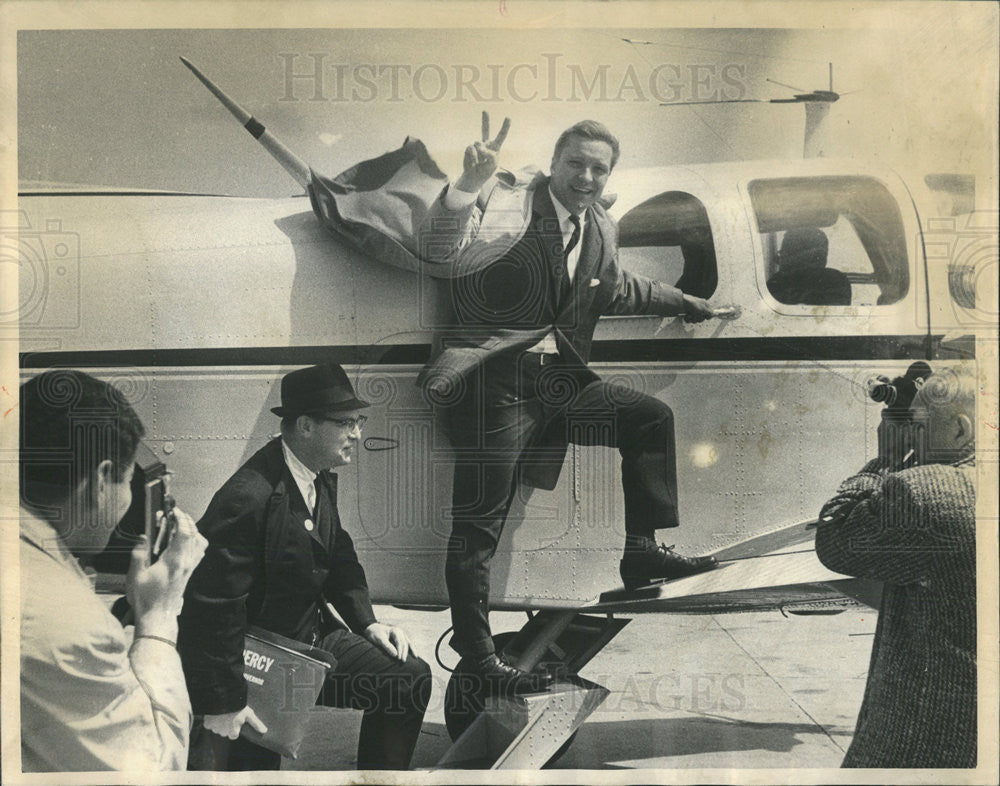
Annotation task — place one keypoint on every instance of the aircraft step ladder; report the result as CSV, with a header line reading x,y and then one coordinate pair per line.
x,y
526,731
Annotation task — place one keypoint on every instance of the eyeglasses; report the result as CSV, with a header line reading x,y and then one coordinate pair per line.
x,y
351,423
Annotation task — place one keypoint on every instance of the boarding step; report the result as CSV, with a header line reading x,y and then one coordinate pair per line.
x,y
524,732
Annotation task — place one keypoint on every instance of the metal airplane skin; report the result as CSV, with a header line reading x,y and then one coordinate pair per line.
x,y
215,298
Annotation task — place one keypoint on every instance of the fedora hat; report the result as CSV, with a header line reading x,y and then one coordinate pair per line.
x,y
323,388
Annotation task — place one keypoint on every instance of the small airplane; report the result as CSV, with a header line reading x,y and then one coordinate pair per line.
x,y
217,297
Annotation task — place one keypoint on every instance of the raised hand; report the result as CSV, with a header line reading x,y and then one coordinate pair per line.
x,y
481,157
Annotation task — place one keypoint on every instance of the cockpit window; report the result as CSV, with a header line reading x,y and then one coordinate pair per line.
x,y
830,241
668,238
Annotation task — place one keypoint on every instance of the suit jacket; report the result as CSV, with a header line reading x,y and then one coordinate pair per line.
x,y
914,530
510,304
264,567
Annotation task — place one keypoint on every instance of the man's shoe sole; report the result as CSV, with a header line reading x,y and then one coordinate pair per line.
x,y
633,583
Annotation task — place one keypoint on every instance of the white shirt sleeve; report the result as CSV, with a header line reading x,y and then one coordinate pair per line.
x,y
456,199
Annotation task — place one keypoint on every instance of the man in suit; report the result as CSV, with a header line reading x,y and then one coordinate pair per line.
x,y
277,554
534,265
913,528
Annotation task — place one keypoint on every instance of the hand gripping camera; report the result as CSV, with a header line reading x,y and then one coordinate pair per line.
x,y
150,514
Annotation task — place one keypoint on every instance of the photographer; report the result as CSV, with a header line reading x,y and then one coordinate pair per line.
x,y
910,523
89,701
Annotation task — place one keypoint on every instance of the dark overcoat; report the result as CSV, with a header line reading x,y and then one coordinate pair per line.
x,y
264,567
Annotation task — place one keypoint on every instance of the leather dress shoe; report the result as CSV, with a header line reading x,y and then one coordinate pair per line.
x,y
500,678
651,562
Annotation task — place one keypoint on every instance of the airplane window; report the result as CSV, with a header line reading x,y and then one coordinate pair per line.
x,y
831,241
669,238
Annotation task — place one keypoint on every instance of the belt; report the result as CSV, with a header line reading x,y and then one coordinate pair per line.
x,y
542,358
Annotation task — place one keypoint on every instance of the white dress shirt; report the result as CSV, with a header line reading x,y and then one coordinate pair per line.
x,y
304,478
567,232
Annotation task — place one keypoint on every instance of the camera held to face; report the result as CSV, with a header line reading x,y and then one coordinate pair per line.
x,y
901,434
150,514
158,511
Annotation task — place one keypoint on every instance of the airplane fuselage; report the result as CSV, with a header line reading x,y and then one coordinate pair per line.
x,y
196,306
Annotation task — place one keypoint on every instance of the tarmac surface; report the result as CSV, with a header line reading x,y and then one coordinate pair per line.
x,y
742,691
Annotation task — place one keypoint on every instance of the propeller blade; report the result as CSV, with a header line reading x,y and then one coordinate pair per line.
x,y
720,101
292,164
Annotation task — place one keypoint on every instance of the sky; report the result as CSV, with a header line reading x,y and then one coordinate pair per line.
x,y
118,108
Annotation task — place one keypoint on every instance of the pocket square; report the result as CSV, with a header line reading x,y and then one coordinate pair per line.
x,y
594,282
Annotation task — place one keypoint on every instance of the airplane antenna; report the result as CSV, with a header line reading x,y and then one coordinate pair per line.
x,y
817,105
292,164
790,87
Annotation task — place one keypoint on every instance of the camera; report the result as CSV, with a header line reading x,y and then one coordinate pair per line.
x,y
901,435
899,393
150,514
159,522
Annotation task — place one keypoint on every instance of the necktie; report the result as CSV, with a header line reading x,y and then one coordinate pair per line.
x,y
574,238
322,519
317,485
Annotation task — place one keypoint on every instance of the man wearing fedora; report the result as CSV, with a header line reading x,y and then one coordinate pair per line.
x,y
277,554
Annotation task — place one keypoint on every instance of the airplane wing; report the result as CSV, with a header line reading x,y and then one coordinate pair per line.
x,y
778,570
